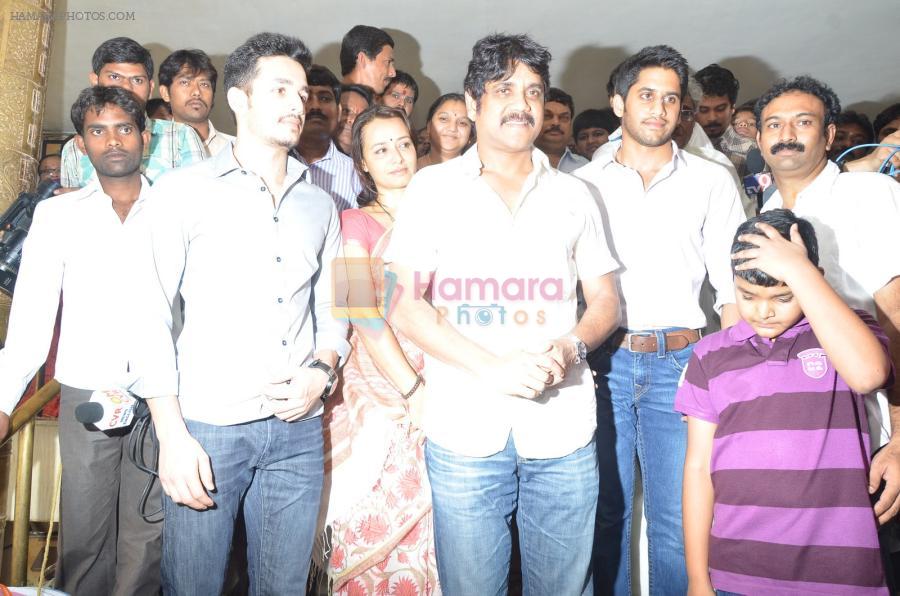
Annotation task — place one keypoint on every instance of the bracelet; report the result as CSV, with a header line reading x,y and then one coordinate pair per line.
x,y
332,377
415,386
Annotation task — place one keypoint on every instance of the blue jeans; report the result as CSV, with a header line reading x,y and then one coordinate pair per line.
x,y
474,500
274,470
635,415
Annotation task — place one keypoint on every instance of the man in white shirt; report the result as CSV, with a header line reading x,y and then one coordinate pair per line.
x,y
856,216
671,217
329,169
187,81
509,408
247,243
84,244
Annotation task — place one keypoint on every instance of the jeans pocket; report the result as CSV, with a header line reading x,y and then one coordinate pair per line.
x,y
679,358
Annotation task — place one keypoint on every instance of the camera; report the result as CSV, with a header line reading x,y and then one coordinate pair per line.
x,y
14,225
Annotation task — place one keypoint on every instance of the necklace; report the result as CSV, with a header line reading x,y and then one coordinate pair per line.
x,y
385,211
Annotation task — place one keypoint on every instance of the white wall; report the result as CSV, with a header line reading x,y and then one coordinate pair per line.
x,y
850,45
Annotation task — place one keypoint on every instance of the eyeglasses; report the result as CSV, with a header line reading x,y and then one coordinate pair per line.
x,y
406,99
745,124
687,114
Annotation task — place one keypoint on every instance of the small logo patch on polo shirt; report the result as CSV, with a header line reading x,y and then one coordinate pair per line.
x,y
814,362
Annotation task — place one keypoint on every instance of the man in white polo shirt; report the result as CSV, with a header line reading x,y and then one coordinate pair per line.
x,y
509,410
857,220
672,216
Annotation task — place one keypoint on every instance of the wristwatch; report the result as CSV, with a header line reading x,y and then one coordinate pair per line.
x,y
332,377
580,349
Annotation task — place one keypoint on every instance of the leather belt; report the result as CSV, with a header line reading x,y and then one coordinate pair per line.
x,y
645,341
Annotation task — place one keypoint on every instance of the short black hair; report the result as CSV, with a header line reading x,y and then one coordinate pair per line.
x,y
321,76
801,84
96,98
404,78
373,112
494,58
559,96
593,118
626,74
781,220
365,39
747,106
718,81
121,50
886,116
611,81
861,120
242,65
156,102
196,62
363,90
441,101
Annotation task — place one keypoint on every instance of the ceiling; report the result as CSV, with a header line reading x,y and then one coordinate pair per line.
x,y
852,47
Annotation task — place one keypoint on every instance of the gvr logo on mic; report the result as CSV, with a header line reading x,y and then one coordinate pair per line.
x,y
108,409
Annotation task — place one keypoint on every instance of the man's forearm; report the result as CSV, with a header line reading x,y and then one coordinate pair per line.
x,y
599,320
167,418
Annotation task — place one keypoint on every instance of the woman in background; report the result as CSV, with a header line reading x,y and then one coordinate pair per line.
x,y
449,129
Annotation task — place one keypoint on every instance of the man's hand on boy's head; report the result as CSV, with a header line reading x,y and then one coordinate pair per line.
x,y
778,257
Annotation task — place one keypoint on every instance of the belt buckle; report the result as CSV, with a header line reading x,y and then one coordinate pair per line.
x,y
629,336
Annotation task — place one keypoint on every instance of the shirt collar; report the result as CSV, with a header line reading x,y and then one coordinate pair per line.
x,y
821,185
608,157
212,132
224,162
471,164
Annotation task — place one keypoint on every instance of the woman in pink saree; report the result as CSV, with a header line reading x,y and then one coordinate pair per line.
x,y
378,536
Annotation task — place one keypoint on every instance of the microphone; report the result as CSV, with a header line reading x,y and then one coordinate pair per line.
x,y
757,180
109,409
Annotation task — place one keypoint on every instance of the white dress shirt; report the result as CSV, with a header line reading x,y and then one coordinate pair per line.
x,y
856,216
569,162
669,236
77,245
217,140
256,283
489,266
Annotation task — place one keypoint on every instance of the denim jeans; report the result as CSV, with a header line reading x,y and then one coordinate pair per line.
x,y
274,469
474,500
635,399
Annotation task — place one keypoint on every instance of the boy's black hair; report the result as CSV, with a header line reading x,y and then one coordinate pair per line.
x,y
801,84
122,50
626,74
593,118
97,98
781,220
494,58
242,65
404,78
365,39
196,61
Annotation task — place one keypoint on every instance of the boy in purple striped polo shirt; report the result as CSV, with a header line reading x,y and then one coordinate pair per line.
x,y
776,497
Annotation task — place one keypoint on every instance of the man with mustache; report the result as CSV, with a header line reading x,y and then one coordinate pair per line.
x,y
671,217
856,216
367,58
248,243
187,81
559,109
509,400
86,244
329,169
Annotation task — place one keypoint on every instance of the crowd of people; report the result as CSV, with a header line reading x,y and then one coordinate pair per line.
x,y
391,353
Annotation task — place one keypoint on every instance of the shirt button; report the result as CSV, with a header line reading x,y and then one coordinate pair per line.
x,y
244,172
284,342
277,259
280,300
275,218
262,188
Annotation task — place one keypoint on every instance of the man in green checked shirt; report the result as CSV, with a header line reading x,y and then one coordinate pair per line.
x,y
122,62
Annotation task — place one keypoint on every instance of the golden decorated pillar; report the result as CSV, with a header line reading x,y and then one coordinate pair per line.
x,y
26,28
